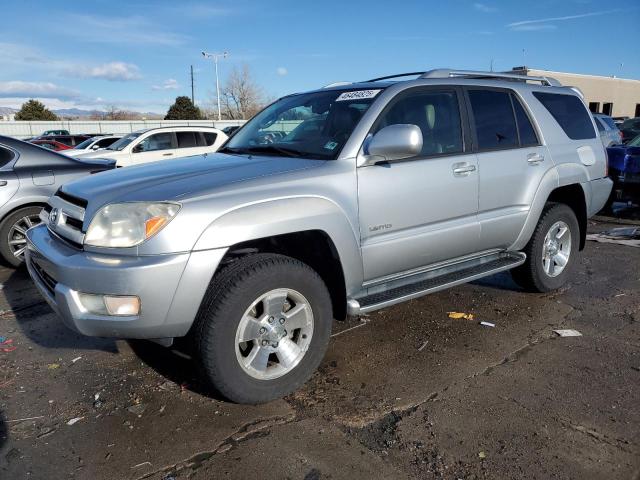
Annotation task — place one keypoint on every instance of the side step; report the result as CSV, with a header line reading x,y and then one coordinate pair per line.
x,y
432,281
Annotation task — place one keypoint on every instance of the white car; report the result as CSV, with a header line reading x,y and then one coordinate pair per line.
x,y
91,145
162,143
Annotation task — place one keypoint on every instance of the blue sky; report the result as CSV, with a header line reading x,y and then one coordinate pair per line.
x,y
136,55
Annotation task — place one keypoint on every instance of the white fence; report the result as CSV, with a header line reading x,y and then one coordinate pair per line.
x,y
31,129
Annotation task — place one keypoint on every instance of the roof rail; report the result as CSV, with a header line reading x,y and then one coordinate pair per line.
x,y
337,84
446,73
395,76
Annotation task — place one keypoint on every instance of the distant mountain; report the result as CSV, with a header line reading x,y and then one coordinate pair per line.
x,y
7,110
79,113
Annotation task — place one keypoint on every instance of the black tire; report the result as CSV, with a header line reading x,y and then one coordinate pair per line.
x,y
228,297
531,275
7,253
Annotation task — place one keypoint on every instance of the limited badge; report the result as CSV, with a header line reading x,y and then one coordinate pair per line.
x,y
357,95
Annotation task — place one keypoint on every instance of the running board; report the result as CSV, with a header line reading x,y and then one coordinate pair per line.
x,y
432,281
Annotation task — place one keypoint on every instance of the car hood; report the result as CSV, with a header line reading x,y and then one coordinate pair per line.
x,y
107,163
181,178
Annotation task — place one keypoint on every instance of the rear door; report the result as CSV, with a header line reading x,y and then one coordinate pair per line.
x,y
511,163
190,142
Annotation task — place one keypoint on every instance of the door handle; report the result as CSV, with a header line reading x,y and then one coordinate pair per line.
x,y
3,183
463,169
167,154
534,158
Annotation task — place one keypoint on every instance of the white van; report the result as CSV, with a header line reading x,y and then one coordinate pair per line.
x,y
162,143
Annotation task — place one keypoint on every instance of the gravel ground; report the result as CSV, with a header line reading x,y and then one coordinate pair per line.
x,y
406,392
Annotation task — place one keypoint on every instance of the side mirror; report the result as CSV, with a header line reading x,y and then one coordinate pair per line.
x,y
138,148
395,142
95,147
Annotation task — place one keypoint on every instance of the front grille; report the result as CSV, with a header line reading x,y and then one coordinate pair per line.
x,y
48,281
66,217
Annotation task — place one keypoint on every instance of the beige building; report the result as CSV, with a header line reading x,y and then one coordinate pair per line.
x,y
617,97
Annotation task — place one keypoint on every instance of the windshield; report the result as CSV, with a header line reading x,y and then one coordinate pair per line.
x,y
85,144
124,141
312,125
635,142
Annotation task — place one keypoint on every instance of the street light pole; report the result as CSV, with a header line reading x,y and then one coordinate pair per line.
x,y
215,57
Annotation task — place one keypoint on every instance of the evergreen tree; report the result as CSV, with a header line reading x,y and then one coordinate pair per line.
x,y
183,109
35,110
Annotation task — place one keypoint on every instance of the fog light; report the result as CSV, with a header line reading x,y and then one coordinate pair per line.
x,y
122,305
110,304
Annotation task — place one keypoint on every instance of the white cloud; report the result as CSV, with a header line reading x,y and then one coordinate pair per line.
x,y
484,8
534,27
282,71
113,71
169,84
519,25
18,88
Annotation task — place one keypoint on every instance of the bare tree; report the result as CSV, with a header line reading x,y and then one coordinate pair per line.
x,y
241,97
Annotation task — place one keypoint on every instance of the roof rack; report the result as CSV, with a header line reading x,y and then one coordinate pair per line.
x,y
399,75
446,73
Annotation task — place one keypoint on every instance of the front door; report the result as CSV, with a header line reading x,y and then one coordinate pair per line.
x,y
422,210
157,146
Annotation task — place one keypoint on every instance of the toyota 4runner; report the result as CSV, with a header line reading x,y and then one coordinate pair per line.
x,y
335,202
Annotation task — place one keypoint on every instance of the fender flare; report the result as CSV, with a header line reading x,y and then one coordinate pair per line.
x,y
281,216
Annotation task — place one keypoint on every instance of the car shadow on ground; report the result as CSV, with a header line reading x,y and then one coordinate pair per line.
x,y
37,321
175,364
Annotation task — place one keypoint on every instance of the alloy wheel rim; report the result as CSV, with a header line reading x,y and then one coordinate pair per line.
x,y
556,249
17,238
274,334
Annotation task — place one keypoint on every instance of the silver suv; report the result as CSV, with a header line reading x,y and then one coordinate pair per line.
x,y
335,202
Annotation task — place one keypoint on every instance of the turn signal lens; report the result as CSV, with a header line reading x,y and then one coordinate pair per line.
x,y
154,225
109,304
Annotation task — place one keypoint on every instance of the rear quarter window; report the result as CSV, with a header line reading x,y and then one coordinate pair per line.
x,y
210,138
570,113
6,156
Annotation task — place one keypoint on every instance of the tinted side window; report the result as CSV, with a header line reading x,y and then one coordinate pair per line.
x,y
6,156
159,141
436,113
570,113
105,142
187,139
200,139
528,135
494,121
210,138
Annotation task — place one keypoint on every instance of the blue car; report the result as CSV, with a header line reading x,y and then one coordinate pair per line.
x,y
624,170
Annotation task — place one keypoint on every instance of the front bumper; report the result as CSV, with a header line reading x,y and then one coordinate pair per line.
x,y
170,287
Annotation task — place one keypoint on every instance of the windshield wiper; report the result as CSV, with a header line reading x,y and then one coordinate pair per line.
x,y
284,151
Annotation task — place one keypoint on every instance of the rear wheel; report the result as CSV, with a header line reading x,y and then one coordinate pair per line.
x,y
551,252
13,234
263,328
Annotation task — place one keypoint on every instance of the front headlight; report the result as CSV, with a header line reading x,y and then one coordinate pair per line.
x,y
128,224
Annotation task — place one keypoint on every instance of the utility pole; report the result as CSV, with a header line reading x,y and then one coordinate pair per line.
x,y
192,99
215,57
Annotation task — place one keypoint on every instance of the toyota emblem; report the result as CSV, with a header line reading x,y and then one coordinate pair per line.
x,y
53,216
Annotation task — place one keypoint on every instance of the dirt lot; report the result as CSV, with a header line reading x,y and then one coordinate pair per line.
x,y
404,393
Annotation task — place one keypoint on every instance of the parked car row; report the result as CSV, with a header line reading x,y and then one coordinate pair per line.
x,y
338,201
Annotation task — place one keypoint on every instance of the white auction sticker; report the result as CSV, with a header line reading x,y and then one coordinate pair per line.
x,y
357,95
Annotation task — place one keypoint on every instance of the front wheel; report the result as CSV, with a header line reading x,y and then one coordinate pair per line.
x,y
263,328
551,252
